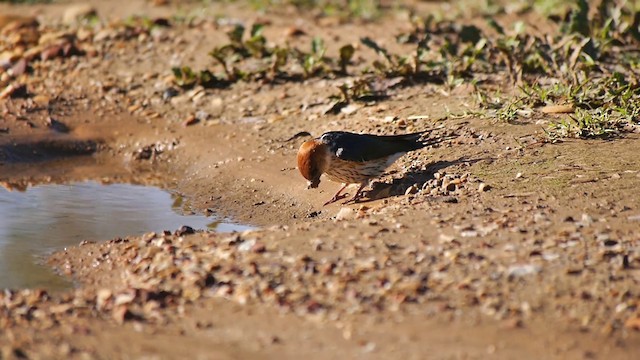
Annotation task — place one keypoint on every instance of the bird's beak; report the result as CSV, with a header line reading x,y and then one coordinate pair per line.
x,y
313,184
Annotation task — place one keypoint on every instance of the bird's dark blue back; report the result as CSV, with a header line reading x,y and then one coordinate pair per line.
x,y
366,147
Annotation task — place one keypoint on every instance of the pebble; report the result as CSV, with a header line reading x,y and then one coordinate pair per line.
x,y
190,120
523,270
202,115
77,12
411,190
169,93
345,213
634,218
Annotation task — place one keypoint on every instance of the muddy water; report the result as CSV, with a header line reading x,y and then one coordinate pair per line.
x,y
46,218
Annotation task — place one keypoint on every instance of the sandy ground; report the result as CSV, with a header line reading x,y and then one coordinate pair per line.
x,y
542,263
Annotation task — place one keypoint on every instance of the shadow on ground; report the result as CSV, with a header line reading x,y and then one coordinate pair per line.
x,y
399,186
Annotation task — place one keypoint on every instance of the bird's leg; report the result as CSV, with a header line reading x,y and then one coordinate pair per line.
x,y
358,194
337,196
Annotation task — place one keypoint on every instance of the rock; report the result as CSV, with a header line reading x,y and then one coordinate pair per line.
x,y
84,34
217,102
56,125
14,91
345,213
121,313
350,109
515,271
190,120
633,323
169,93
102,296
483,187
258,247
557,109
411,190
18,68
448,186
104,34
202,115
42,100
633,218
586,220
293,31
247,245
10,23
78,12
185,230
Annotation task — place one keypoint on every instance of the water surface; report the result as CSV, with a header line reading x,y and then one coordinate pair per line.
x,y
47,218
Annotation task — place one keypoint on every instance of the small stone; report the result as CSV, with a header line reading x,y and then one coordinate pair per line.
x,y
202,115
345,213
10,23
483,187
18,68
56,125
121,314
185,230
104,34
293,31
258,247
84,34
586,220
42,100
190,120
78,12
633,323
411,190
217,102
169,93
369,347
557,109
350,109
14,91
515,271
513,323
449,186
102,296
247,245
633,218
124,298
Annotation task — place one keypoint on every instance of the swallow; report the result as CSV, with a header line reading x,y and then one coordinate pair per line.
x,y
350,158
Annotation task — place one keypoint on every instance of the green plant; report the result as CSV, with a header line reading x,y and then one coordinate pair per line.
x,y
185,77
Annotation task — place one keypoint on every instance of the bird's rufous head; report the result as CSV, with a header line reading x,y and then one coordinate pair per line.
x,y
313,160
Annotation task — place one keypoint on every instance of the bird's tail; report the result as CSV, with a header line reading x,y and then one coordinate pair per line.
x,y
418,140
406,137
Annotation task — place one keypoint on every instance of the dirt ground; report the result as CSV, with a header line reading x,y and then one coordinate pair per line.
x,y
532,254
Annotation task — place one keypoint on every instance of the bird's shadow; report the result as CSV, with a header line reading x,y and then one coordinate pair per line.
x,y
398,186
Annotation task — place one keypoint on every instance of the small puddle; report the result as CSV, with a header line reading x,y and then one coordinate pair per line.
x,y
46,218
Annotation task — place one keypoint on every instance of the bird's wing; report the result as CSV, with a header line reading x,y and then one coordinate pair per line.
x,y
365,147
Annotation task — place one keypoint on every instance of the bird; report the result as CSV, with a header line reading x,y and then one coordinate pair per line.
x,y
351,158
